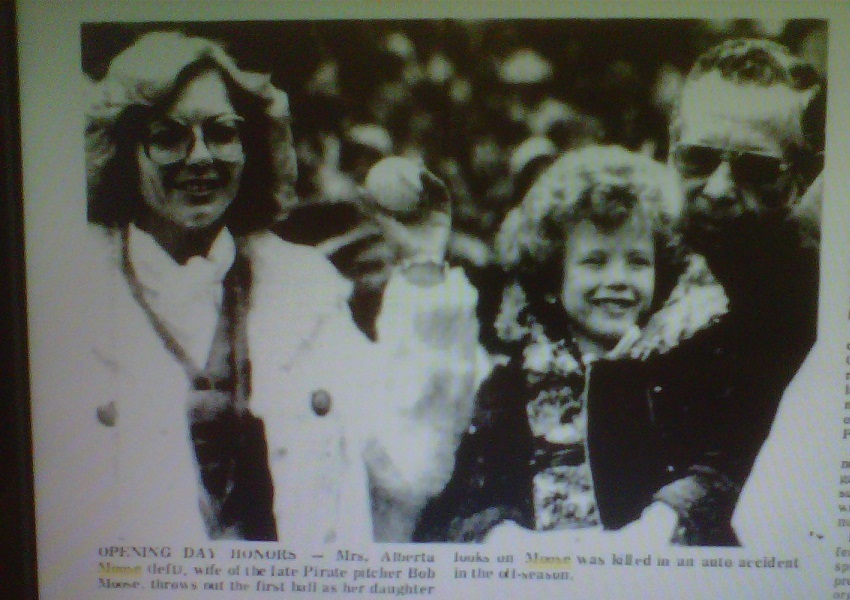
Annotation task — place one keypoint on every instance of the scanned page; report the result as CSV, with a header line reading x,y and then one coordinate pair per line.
x,y
493,299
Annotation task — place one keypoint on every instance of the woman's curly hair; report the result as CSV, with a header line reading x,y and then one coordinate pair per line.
x,y
146,78
605,185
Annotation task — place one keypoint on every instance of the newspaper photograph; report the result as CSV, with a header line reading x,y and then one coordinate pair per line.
x,y
348,299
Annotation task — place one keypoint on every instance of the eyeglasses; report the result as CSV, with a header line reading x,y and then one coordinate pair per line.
x,y
748,168
169,141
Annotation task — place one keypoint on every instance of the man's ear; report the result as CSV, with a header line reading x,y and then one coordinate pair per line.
x,y
805,212
810,165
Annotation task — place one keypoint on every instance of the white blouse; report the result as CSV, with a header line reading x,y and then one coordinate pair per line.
x,y
186,298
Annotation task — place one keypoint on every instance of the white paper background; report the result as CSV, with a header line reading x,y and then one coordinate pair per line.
x,y
791,495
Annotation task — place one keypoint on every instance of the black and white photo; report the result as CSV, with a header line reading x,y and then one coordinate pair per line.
x,y
484,298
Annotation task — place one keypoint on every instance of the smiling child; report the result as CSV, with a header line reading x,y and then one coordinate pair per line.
x,y
591,251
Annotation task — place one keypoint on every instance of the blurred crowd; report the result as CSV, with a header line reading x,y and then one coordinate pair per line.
x,y
485,105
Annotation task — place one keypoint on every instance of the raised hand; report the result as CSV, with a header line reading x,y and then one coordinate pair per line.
x,y
413,209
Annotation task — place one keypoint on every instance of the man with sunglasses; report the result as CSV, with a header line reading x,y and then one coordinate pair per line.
x,y
685,423
747,139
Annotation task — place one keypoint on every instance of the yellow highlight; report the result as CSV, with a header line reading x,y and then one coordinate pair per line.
x,y
107,568
549,562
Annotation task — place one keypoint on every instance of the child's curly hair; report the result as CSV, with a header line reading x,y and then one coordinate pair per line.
x,y
605,185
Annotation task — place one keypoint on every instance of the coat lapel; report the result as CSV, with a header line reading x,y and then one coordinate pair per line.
x,y
292,298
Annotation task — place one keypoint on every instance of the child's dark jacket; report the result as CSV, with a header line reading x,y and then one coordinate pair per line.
x,y
680,419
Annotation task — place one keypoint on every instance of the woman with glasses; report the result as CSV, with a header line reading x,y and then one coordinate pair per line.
x,y
231,395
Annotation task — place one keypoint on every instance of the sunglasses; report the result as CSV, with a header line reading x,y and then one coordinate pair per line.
x,y
169,141
747,167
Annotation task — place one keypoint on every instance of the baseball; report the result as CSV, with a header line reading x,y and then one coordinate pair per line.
x,y
395,184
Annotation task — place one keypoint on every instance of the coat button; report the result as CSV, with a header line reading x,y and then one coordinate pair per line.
x,y
107,414
320,401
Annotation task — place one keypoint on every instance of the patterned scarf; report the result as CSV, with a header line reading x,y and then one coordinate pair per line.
x,y
555,379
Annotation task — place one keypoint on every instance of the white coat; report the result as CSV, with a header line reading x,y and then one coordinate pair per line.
x,y
397,407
